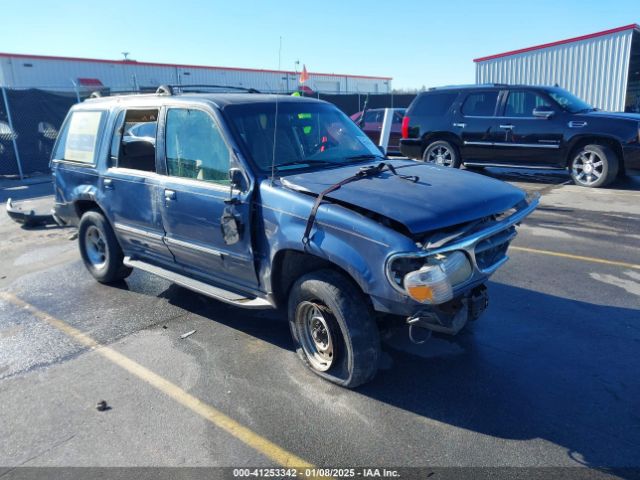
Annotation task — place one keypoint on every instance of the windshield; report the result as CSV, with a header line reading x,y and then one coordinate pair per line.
x,y
569,101
308,135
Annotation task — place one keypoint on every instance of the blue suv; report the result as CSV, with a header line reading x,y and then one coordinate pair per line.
x,y
266,201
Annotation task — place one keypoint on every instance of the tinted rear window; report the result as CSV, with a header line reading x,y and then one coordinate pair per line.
x,y
480,104
434,104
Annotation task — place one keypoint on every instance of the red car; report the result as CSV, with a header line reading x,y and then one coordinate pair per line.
x,y
373,125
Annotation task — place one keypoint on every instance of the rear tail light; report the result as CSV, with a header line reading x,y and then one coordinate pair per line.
x,y
405,127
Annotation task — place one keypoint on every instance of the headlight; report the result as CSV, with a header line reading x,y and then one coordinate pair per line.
x,y
433,283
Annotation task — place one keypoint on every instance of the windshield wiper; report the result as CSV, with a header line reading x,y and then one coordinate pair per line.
x,y
364,156
304,162
363,172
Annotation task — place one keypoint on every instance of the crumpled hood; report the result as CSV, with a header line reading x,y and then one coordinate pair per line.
x,y
442,196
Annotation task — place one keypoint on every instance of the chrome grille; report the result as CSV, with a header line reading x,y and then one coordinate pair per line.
x,y
491,251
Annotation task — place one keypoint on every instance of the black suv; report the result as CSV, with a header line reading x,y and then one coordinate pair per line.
x,y
521,126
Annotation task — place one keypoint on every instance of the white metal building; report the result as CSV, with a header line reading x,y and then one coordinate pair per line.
x,y
69,74
602,68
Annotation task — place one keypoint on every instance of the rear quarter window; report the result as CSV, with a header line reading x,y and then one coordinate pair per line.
x,y
78,140
480,104
434,104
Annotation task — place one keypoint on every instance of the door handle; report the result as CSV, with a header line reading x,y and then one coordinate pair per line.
x,y
507,127
169,195
108,184
461,125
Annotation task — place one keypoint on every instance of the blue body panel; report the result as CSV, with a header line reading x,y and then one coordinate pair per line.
x,y
353,242
191,222
131,202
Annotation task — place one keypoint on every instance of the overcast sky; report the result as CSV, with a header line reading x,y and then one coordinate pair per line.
x,y
415,42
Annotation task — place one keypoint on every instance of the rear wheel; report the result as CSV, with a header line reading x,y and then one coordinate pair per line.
x,y
333,328
442,153
594,166
100,249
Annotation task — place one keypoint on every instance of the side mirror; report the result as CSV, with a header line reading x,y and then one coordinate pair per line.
x,y
543,112
236,178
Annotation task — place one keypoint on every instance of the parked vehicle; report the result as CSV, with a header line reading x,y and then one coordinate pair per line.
x,y
521,126
140,131
7,135
372,126
264,201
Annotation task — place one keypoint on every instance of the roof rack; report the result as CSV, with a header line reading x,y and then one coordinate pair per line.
x,y
199,88
469,85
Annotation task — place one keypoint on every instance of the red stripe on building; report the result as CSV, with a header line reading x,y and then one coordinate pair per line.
x,y
559,42
90,82
177,65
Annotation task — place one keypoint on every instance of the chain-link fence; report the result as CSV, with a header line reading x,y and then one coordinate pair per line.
x,y
31,118
29,124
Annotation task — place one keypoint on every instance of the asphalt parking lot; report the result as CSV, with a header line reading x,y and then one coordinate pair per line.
x,y
548,377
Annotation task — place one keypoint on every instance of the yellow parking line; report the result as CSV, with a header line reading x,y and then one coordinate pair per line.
x,y
576,257
276,453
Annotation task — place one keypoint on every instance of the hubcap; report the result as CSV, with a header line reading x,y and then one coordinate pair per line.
x,y
587,167
315,335
440,156
95,247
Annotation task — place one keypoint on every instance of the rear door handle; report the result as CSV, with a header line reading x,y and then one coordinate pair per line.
x,y
461,125
108,184
507,127
169,195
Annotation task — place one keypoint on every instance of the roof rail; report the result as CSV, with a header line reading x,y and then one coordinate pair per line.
x,y
198,88
467,86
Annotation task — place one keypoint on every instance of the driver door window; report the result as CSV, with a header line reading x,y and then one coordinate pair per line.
x,y
522,104
195,148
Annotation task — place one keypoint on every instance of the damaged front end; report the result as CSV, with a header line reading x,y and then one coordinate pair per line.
x,y
448,273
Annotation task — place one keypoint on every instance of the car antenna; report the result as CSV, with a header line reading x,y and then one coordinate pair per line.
x,y
364,110
275,121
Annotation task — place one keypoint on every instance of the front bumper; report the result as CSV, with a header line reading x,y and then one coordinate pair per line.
x,y
486,250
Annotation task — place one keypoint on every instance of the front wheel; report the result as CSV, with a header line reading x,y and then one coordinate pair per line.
x,y
442,153
333,329
594,166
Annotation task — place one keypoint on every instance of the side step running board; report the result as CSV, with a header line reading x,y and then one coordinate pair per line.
x,y
198,286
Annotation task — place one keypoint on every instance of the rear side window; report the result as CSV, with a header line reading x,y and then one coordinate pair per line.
x,y
481,104
373,116
434,104
133,144
397,116
79,138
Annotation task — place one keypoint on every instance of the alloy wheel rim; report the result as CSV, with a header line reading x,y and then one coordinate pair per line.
x,y
587,167
440,156
95,247
316,337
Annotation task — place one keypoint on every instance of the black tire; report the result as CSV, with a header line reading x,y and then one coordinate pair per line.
x,y
593,165
99,248
443,153
350,326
